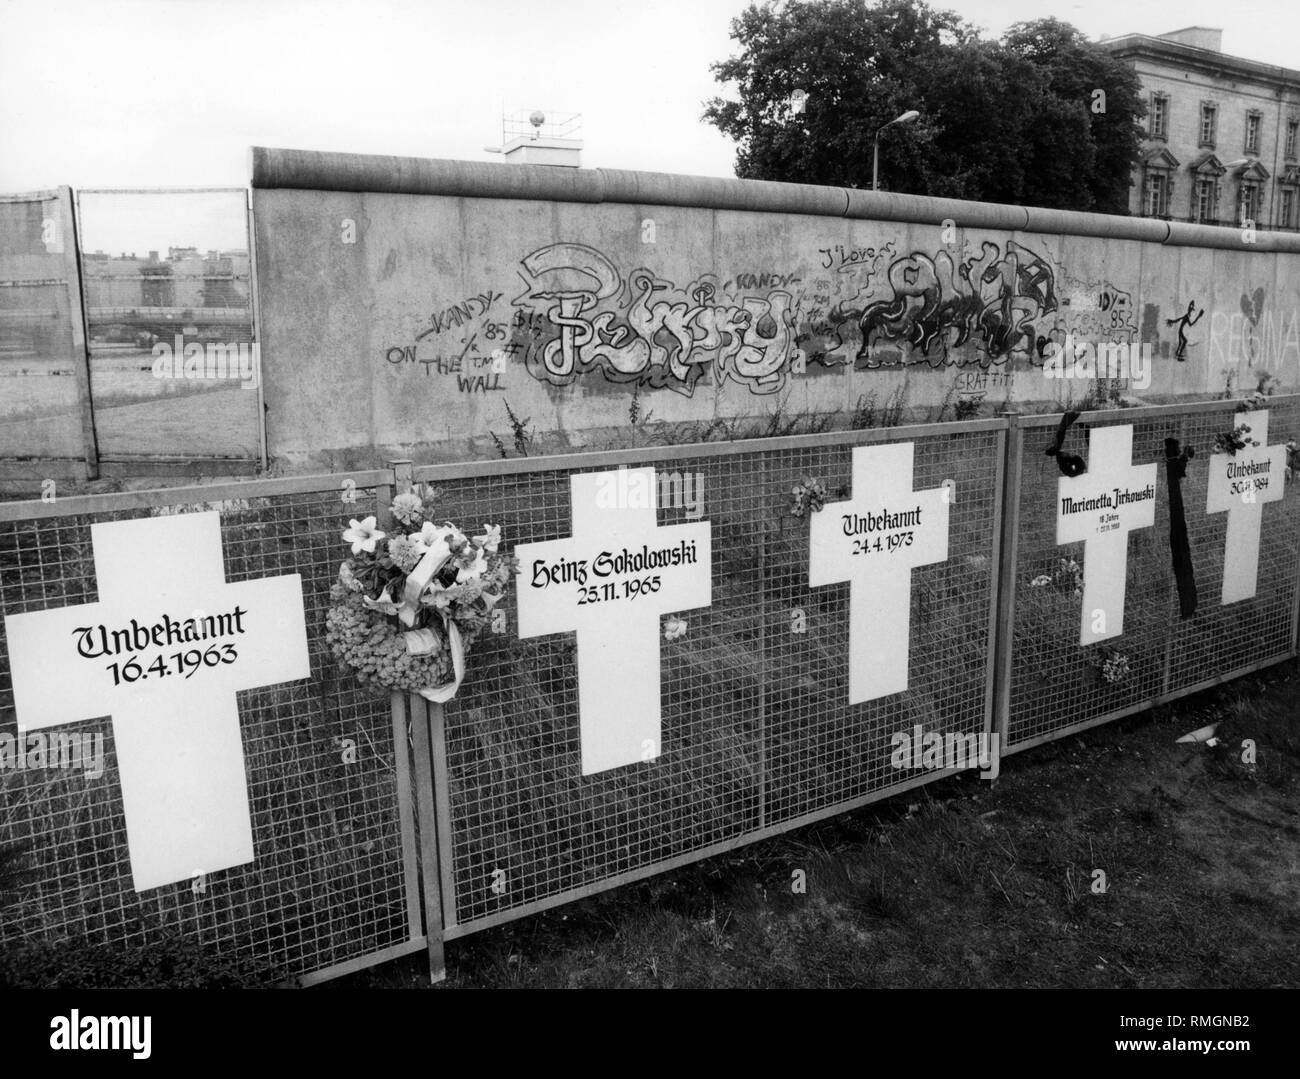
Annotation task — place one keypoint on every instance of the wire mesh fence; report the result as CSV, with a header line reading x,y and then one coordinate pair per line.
x,y
758,733
1057,685
333,876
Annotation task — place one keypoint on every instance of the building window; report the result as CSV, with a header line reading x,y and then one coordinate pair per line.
x,y
1159,116
1205,202
1287,219
1209,122
1156,202
1292,129
1253,122
1248,202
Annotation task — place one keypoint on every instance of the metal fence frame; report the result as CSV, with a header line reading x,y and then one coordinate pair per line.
x,y
1020,425
451,928
408,783
427,836
179,465
87,465
92,463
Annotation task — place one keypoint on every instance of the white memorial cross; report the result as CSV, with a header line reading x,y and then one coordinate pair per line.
x,y
874,541
163,653
1100,508
1239,485
611,581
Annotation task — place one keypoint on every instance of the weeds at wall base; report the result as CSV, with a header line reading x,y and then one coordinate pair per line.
x,y
644,432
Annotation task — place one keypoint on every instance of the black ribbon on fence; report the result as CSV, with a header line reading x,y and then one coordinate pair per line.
x,y
1175,470
1070,464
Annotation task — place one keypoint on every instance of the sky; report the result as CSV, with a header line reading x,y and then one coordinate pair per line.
x,y
173,93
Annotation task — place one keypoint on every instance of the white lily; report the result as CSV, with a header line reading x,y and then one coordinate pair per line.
x,y
363,535
474,570
430,535
490,539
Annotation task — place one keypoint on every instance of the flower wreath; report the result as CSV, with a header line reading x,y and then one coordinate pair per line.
x,y
408,604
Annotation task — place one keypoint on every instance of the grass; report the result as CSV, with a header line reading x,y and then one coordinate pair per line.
x,y
966,883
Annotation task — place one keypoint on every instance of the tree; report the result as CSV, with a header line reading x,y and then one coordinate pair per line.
x,y
1102,130
974,95
1001,121
858,65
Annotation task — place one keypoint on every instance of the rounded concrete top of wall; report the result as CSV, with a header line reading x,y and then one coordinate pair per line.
x,y
321,171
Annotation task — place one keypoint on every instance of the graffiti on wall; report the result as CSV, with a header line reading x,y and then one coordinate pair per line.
x,y
464,366
1263,338
581,319
973,386
1094,311
578,315
464,346
1184,322
996,297
459,314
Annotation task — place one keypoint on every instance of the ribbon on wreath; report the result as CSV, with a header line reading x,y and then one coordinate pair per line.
x,y
419,579
423,642
444,693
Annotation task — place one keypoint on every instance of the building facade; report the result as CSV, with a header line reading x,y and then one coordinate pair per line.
x,y
1223,133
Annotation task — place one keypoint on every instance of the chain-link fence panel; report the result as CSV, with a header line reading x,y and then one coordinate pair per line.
x,y
1224,639
526,826
333,880
825,752
760,729
1059,683
758,732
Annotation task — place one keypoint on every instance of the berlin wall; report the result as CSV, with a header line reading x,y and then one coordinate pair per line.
x,y
404,302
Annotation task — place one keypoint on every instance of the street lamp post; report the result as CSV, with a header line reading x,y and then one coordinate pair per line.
x,y
907,117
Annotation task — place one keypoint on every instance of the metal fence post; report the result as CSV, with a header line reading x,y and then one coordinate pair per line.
x,y
425,726
402,471
762,666
404,724
255,307
1295,612
1004,600
81,336
424,716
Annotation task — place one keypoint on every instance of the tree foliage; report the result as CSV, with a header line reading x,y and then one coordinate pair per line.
x,y
1014,120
